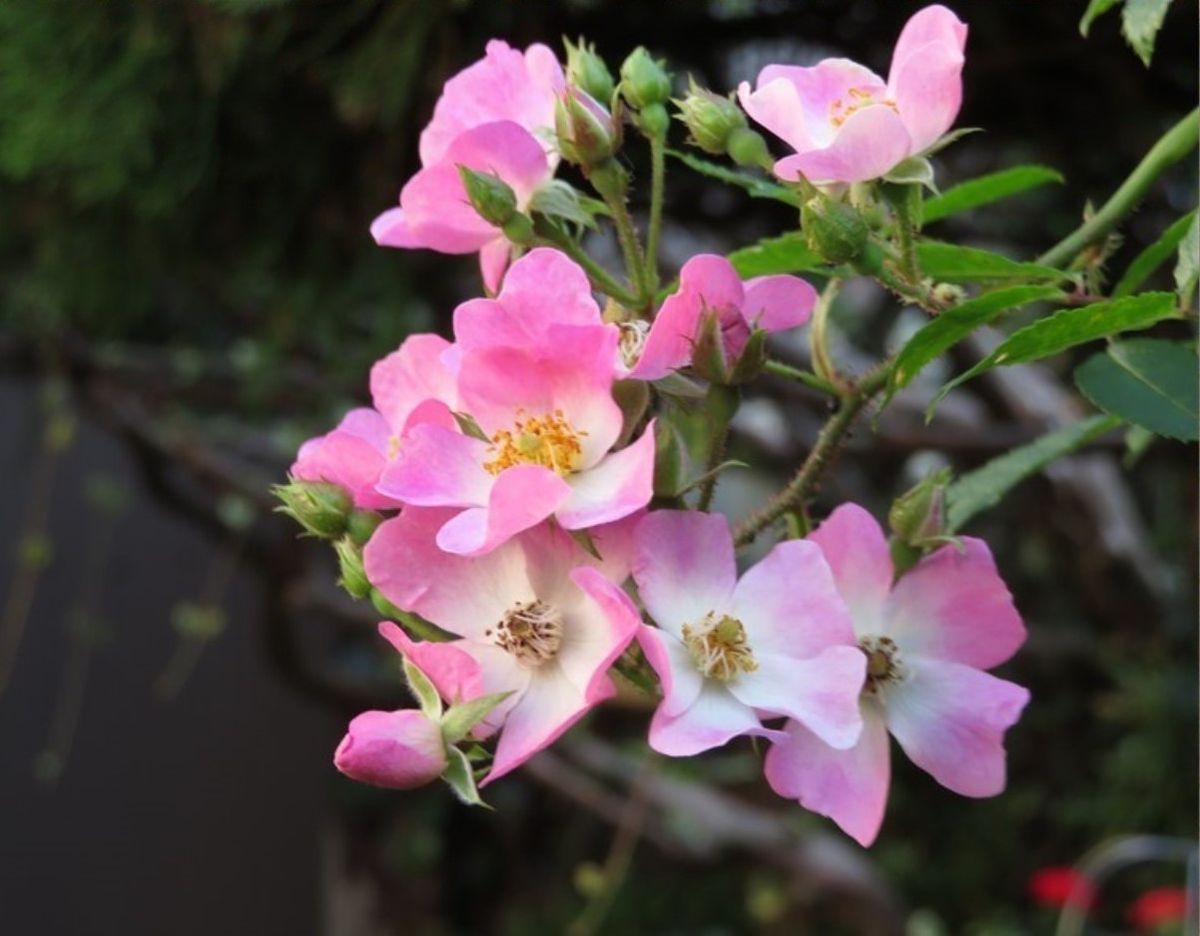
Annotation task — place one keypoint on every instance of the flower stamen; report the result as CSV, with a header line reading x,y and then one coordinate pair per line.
x,y
840,112
718,647
549,441
884,664
531,631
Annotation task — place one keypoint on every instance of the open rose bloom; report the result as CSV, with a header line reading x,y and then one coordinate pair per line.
x,y
928,638
845,123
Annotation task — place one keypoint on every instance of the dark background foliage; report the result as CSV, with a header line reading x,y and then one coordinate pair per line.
x,y
185,191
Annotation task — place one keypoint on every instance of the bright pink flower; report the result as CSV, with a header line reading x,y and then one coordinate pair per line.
x,y
400,750
435,211
408,387
1159,908
546,407
776,642
845,123
928,640
537,617
1061,886
710,283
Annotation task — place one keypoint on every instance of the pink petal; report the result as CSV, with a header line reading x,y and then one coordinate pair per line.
x,y
950,719
505,85
550,706
437,215
521,497
849,786
505,149
463,596
671,337
926,76
714,719
493,261
350,456
552,554
775,303
789,604
954,606
868,145
409,376
453,671
677,674
858,555
714,280
598,630
684,566
391,229
620,484
438,467
399,750
821,692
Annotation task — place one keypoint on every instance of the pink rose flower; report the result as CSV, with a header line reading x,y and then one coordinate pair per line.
x,y
537,617
776,642
845,123
710,283
496,116
400,750
537,379
410,386
928,639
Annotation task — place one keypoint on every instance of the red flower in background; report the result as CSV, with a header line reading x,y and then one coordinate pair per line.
x,y
1158,907
1061,886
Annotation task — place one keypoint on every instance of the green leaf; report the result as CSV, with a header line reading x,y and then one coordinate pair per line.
x,y
560,199
1153,256
953,325
469,427
1068,328
1140,22
461,718
756,186
916,170
985,486
1188,265
947,138
426,694
987,189
786,254
1095,9
461,778
951,263
1148,382
711,473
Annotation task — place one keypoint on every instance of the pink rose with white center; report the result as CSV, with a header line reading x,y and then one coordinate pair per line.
x,y
495,117
708,283
400,750
845,123
537,617
408,387
928,639
728,651
545,409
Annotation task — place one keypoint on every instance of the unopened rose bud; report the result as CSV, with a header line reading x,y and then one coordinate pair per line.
x,y
918,516
747,148
362,525
321,508
353,576
587,134
643,80
710,118
586,70
833,230
491,197
399,750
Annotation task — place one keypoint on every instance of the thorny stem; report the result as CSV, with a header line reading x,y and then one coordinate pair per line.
x,y
1171,147
800,488
600,277
657,171
627,235
906,235
877,261
716,454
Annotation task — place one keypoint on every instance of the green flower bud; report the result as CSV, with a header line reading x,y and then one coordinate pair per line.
x,y
587,134
668,460
586,70
350,562
321,508
490,196
362,524
653,120
918,516
833,230
643,80
710,118
748,148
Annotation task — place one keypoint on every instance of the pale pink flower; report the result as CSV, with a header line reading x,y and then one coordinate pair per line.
x,y
845,123
709,283
777,642
537,380
408,387
537,617
928,639
400,750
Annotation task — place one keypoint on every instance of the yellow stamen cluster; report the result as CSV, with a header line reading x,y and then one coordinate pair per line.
x,y
718,646
548,440
884,665
840,112
531,631
633,340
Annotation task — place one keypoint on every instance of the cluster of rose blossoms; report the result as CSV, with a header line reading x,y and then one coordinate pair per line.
x,y
500,492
